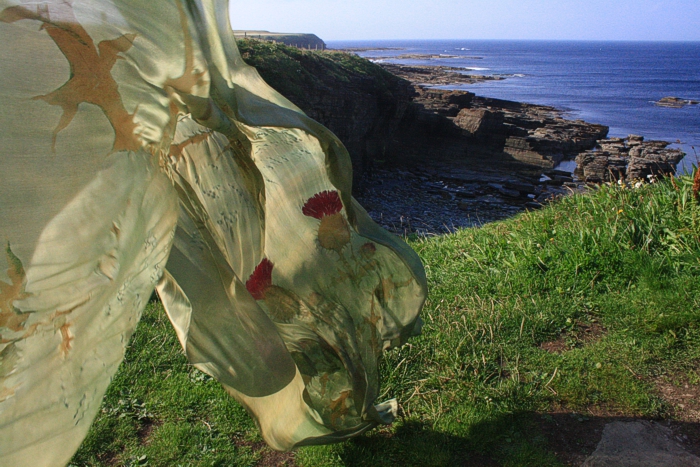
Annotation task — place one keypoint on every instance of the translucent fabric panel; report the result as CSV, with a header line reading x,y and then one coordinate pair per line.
x,y
133,134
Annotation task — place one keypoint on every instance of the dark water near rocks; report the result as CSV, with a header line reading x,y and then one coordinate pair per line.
x,y
612,83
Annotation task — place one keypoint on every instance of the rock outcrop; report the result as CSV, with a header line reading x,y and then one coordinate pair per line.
x,y
460,127
437,75
430,160
627,159
480,123
675,102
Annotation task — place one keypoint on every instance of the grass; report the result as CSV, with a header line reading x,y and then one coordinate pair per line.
x,y
578,307
295,72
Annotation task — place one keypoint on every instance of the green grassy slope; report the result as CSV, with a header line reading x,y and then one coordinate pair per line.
x,y
580,307
300,75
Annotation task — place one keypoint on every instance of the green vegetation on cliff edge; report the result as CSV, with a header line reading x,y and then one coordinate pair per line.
x,y
293,71
584,307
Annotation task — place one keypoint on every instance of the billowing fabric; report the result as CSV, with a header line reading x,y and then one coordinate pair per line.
x,y
139,151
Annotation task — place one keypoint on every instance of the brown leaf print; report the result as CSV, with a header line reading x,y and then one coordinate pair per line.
x,y
339,408
191,77
374,318
90,79
6,393
387,288
9,357
177,149
66,339
10,317
370,323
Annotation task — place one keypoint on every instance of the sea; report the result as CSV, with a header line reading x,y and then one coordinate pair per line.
x,y
611,83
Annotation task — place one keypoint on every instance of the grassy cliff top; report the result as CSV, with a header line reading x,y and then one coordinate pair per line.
x,y
294,72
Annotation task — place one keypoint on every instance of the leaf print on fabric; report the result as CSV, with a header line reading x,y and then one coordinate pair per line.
x,y
191,77
9,357
333,326
339,408
11,318
177,149
90,79
334,232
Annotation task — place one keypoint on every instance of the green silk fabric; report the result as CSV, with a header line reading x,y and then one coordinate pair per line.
x,y
139,152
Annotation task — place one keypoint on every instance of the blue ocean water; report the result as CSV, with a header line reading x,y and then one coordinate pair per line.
x,y
612,83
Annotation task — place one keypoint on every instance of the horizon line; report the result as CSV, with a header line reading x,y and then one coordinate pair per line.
x,y
524,40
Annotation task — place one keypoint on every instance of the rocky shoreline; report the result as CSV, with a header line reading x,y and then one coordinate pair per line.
x,y
441,200
514,149
436,75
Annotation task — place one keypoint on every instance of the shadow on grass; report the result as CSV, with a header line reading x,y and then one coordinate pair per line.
x,y
524,439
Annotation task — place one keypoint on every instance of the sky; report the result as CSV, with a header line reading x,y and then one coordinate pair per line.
x,y
653,20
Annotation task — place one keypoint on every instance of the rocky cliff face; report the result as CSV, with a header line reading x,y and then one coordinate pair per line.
x,y
358,101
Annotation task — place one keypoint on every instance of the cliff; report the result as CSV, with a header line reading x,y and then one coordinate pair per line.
x,y
357,100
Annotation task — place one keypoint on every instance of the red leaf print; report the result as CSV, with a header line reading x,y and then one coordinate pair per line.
x,y
260,280
323,204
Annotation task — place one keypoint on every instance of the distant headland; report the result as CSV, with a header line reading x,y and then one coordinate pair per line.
x,y
301,41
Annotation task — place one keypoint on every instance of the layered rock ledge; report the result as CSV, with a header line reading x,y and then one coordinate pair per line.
x,y
627,159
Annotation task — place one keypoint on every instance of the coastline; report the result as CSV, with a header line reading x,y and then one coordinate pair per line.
x,y
428,160
437,198
615,83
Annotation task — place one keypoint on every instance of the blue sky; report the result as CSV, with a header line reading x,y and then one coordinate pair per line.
x,y
474,19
